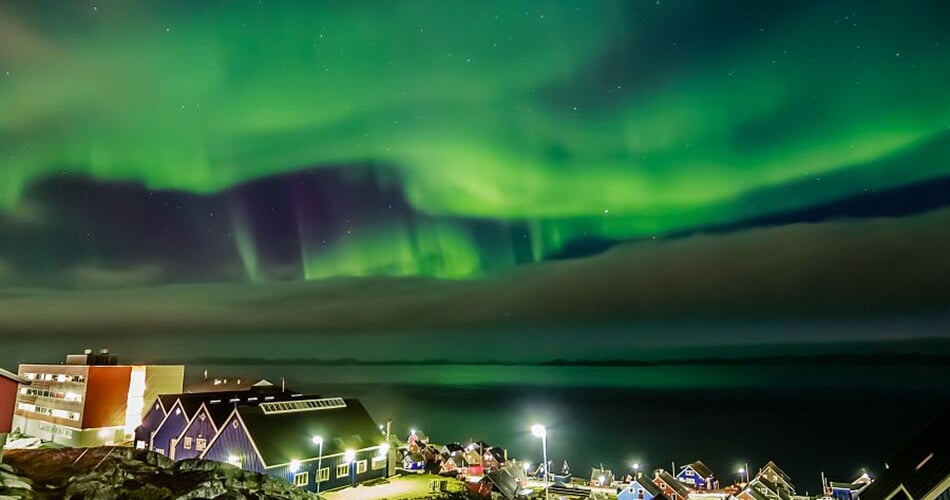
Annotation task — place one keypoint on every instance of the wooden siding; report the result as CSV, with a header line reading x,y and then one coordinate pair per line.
x,y
634,491
200,427
174,423
8,393
311,463
232,440
150,422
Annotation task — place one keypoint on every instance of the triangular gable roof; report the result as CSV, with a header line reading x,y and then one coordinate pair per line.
x,y
284,436
777,471
13,376
700,468
648,485
672,482
919,467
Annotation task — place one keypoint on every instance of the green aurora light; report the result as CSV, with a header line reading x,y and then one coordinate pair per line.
x,y
575,119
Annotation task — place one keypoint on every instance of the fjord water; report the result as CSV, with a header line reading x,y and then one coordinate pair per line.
x,y
836,419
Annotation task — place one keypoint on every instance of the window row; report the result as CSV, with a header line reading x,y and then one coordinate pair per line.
x,y
46,393
49,377
42,410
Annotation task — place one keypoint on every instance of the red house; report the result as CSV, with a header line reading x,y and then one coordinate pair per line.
x,y
9,383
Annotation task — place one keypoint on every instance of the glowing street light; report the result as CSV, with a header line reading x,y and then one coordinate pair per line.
x,y
539,431
318,440
294,465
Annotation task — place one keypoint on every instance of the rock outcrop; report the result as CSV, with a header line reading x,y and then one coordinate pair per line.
x,y
113,473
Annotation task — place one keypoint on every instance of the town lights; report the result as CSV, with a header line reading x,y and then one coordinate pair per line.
x,y
540,431
527,466
636,470
294,465
383,448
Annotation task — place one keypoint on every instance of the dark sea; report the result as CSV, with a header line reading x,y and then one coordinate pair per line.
x,y
836,419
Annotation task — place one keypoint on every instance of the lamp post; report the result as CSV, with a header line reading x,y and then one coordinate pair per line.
x,y
349,456
318,440
539,431
636,471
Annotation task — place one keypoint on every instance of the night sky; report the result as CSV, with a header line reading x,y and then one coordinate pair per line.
x,y
348,168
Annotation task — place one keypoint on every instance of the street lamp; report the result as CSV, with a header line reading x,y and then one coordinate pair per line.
x,y
539,431
349,456
318,440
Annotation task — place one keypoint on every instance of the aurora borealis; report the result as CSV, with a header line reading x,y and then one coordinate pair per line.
x,y
251,144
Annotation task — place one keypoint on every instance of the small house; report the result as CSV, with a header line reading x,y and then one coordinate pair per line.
x,y
697,476
673,489
414,462
601,477
849,491
777,476
641,488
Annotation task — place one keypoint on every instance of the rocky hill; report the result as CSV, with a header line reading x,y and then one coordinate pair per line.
x,y
112,473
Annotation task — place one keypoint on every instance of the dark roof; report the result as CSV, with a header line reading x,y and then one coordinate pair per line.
x,y
918,467
649,485
285,436
771,485
510,480
221,403
700,468
668,478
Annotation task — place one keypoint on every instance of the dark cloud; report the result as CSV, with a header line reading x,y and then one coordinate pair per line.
x,y
841,269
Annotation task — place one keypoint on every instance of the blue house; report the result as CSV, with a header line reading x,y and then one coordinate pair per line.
x,y
697,476
641,488
164,438
194,439
277,438
153,418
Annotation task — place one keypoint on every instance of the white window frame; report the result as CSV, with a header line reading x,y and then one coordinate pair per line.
x,y
301,479
378,462
187,443
323,475
361,467
345,468
201,444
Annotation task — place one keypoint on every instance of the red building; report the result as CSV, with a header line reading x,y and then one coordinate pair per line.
x,y
8,392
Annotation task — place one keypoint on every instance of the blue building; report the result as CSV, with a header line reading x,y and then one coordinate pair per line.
x,y
277,438
202,428
153,418
697,476
641,488
176,412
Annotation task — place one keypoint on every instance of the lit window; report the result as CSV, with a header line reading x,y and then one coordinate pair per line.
x,y
342,470
301,479
187,443
361,467
200,444
323,475
380,462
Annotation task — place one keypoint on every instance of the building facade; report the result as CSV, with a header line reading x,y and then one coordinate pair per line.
x,y
283,439
9,388
91,400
